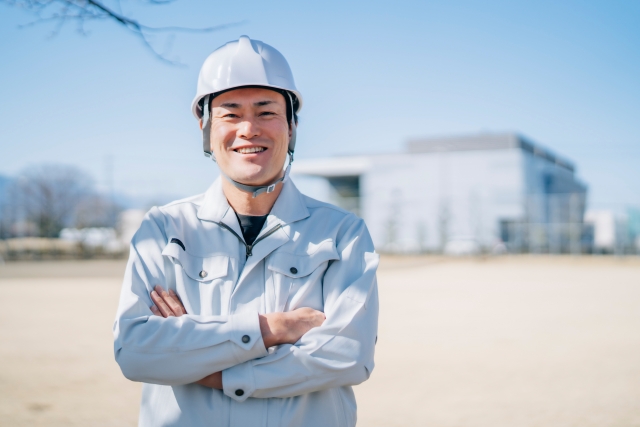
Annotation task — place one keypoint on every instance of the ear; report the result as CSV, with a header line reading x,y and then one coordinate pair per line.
x,y
200,122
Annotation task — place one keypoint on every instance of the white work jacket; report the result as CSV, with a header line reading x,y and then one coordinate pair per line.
x,y
308,254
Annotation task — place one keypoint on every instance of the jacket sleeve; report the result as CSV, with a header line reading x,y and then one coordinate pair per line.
x,y
338,353
175,350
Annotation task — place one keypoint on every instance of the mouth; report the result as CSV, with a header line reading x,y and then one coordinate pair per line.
x,y
250,150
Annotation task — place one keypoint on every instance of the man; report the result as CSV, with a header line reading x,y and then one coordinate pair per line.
x,y
251,304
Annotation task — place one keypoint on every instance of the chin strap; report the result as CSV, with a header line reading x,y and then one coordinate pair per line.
x,y
255,189
206,128
259,189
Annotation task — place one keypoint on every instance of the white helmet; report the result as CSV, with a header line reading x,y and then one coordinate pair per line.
x,y
244,62
238,64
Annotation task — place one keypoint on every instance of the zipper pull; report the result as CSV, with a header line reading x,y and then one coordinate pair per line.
x,y
248,250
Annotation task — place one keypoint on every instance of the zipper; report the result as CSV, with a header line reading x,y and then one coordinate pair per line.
x,y
264,236
249,248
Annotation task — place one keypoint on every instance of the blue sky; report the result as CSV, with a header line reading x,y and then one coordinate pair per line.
x,y
373,74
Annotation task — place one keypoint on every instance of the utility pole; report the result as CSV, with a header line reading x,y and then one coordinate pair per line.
x,y
109,188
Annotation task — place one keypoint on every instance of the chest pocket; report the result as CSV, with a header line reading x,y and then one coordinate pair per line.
x,y
198,268
297,278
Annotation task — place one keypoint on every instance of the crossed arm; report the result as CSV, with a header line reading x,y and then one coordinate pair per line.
x,y
310,353
276,328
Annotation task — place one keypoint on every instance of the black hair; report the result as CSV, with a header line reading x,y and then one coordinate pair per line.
x,y
291,109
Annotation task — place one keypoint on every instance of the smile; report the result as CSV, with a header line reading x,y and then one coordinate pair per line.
x,y
250,150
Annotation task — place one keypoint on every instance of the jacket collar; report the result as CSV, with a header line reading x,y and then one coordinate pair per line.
x,y
289,206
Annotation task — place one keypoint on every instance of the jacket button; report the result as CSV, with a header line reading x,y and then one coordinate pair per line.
x,y
293,270
203,274
239,392
246,338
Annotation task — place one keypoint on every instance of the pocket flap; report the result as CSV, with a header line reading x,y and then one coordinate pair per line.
x,y
300,265
202,269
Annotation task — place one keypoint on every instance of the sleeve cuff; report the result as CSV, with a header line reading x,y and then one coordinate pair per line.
x,y
238,382
246,335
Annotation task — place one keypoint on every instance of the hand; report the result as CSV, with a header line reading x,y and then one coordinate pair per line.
x,y
166,303
289,327
212,381
276,328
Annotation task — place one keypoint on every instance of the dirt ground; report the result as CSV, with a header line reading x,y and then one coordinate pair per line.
x,y
512,341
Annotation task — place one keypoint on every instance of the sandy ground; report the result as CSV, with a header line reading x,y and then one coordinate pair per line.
x,y
522,341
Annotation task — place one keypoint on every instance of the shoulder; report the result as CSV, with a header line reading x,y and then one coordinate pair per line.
x,y
178,207
176,211
340,220
315,206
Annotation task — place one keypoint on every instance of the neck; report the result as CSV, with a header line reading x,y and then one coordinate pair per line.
x,y
245,204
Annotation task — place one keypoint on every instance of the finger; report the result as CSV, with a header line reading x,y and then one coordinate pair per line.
x,y
170,301
178,300
164,308
155,310
212,381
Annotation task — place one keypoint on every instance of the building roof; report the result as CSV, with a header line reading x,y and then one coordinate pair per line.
x,y
332,166
357,165
486,141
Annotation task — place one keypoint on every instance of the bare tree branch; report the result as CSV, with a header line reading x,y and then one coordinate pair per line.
x,y
82,11
48,196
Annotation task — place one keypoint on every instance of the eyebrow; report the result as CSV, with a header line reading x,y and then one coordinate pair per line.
x,y
256,104
230,105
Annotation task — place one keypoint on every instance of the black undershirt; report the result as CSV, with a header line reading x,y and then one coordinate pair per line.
x,y
251,226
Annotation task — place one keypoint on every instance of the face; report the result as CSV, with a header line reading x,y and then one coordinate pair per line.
x,y
250,134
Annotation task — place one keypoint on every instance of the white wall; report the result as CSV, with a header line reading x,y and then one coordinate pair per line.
x,y
420,201
408,198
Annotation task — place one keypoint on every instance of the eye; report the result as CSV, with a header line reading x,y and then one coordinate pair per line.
x,y
267,113
230,116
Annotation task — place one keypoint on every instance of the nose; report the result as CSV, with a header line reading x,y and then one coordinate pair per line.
x,y
247,129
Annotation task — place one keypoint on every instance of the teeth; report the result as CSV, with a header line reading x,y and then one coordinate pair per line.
x,y
249,150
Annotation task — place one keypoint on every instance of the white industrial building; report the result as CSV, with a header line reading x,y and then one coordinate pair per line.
x,y
614,232
486,192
